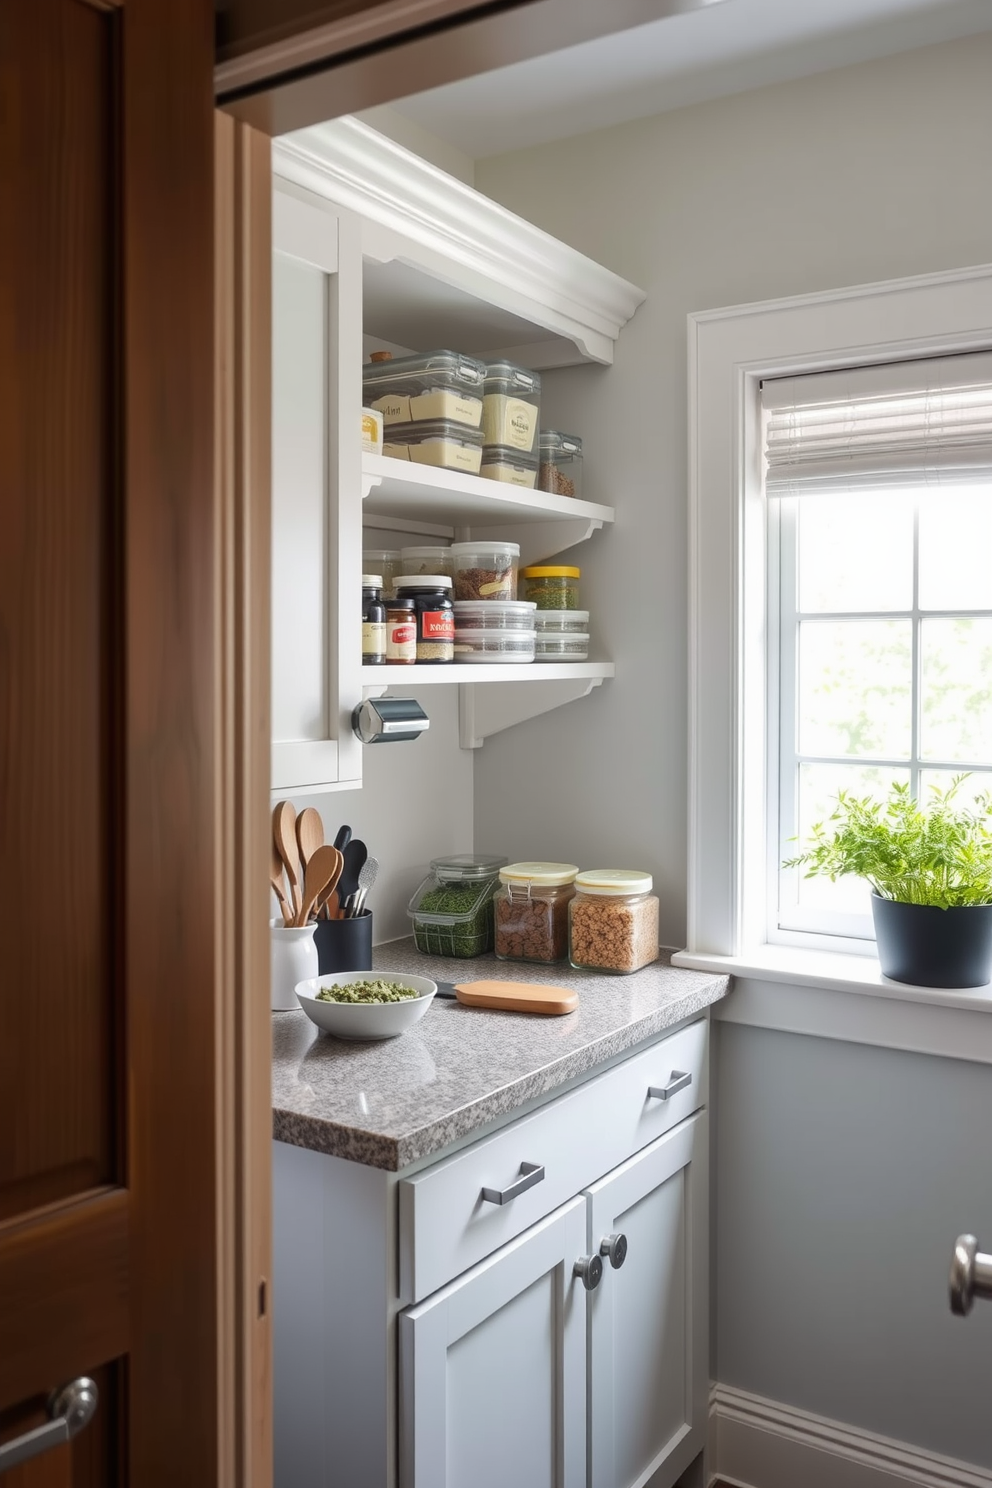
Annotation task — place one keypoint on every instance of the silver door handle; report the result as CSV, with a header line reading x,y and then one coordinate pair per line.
x,y
971,1274
678,1081
530,1173
70,1409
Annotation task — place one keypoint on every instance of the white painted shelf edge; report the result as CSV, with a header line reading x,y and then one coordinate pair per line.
x,y
387,483
379,678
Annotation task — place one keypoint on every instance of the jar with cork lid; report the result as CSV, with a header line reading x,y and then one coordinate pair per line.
x,y
613,921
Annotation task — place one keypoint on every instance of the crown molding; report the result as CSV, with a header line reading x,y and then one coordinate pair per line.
x,y
444,224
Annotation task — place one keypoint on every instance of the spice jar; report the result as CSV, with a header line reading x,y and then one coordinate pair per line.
x,y
373,621
401,632
452,909
531,911
431,595
552,588
612,921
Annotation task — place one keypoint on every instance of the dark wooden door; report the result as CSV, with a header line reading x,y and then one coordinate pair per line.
x,y
109,1254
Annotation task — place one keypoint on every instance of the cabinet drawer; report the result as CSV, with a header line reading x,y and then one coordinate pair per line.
x,y
445,1223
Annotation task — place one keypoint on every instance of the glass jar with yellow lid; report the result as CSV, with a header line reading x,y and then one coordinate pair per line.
x,y
552,587
613,920
531,911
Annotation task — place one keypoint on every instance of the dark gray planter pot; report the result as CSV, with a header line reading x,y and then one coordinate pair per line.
x,y
933,947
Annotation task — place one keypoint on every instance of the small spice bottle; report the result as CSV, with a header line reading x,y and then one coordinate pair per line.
x,y
401,632
531,911
431,595
613,921
373,621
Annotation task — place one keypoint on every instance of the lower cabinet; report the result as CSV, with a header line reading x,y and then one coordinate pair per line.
x,y
576,1354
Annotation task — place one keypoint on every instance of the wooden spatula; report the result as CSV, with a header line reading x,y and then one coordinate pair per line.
x,y
284,837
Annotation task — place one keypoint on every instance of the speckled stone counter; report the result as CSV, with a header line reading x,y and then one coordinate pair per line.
x,y
390,1103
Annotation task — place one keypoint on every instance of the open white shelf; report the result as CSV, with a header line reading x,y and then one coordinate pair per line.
x,y
406,677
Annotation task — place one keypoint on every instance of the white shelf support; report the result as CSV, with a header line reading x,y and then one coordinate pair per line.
x,y
487,708
541,540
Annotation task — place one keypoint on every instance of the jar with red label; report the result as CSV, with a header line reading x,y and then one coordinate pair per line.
x,y
401,632
431,595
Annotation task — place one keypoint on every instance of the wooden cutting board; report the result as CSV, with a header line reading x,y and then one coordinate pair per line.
x,y
518,997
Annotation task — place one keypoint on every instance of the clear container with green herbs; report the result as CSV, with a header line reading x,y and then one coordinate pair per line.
x,y
452,909
551,586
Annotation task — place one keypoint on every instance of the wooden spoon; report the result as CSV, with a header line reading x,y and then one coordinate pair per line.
x,y
322,867
309,834
327,895
279,885
284,837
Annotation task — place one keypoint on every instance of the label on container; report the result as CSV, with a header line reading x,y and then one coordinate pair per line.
x,y
511,475
395,409
446,453
401,641
437,625
442,404
371,432
509,421
396,451
373,638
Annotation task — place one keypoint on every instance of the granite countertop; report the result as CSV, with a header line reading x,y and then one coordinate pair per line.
x,y
390,1103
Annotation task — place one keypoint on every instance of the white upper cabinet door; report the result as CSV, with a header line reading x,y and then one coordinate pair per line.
x,y
492,1369
316,494
647,1332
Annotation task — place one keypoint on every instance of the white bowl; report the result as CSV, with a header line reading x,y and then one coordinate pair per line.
x,y
365,1020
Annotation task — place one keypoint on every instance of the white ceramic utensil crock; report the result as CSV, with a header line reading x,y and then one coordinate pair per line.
x,y
294,959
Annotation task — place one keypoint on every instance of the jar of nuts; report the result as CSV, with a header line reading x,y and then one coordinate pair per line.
x,y
531,911
612,921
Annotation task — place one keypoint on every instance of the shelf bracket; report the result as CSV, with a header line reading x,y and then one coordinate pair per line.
x,y
368,482
485,708
540,540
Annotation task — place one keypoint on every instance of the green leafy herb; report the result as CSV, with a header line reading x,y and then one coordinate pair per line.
x,y
464,937
366,992
935,853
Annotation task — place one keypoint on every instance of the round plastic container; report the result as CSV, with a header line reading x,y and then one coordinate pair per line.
x,y
560,622
429,558
494,614
552,587
613,921
531,911
505,646
485,570
451,910
560,647
384,561
560,470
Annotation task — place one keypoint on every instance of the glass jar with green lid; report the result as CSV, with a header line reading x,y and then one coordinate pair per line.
x,y
552,587
531,911
613,921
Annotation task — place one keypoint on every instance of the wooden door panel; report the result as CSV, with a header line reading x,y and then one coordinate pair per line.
x,y
92,1460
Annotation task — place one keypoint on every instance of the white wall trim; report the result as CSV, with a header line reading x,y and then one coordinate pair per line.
x,y
542,279
763,1444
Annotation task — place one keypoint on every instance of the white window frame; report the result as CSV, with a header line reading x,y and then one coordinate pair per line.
x,y
732,699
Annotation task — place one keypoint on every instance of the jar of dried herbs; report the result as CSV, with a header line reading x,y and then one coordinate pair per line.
x,y
452,909
552,587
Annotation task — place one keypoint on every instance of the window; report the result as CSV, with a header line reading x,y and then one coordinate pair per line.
x,y
879,483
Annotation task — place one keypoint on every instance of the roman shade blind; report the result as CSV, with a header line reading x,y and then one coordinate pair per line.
x,y
906,424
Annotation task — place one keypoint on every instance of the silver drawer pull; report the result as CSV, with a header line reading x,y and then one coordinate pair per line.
x,y
971,1275
678,1081
530,1173
71,1408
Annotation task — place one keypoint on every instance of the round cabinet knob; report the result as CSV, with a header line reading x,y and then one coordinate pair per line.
x,y
971,1275
589,1270
614,1248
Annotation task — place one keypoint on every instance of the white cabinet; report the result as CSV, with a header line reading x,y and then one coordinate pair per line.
x,y
493,1369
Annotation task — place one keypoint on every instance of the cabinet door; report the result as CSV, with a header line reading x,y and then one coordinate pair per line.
x,y
647,1330
316,495
492,1369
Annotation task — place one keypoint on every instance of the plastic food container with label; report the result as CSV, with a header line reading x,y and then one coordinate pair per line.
x,y
430,386
494,614
371,431
452,909
443,443
428,558
510,466
511,407
485,570
560,470
552,587
530,910
560,622
494,645
550,647
384,561
431,595
613,921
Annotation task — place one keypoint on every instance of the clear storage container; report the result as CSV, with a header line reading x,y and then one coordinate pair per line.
x,y
444,443
432,385
384,561
494,645
428,558
612,921
511,407
561,622
512,467
485,570
494,614
560,467
560,647
530,910
552,587
452,909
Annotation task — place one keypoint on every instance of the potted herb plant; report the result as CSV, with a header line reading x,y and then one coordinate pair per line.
x,y
930,870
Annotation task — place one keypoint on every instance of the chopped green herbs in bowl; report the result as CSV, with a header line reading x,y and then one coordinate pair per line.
x,y
358,1005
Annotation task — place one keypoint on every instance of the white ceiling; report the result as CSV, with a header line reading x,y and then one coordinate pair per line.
x,y
721,49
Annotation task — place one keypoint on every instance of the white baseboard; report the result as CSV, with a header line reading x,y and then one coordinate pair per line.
x,y
759,1443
